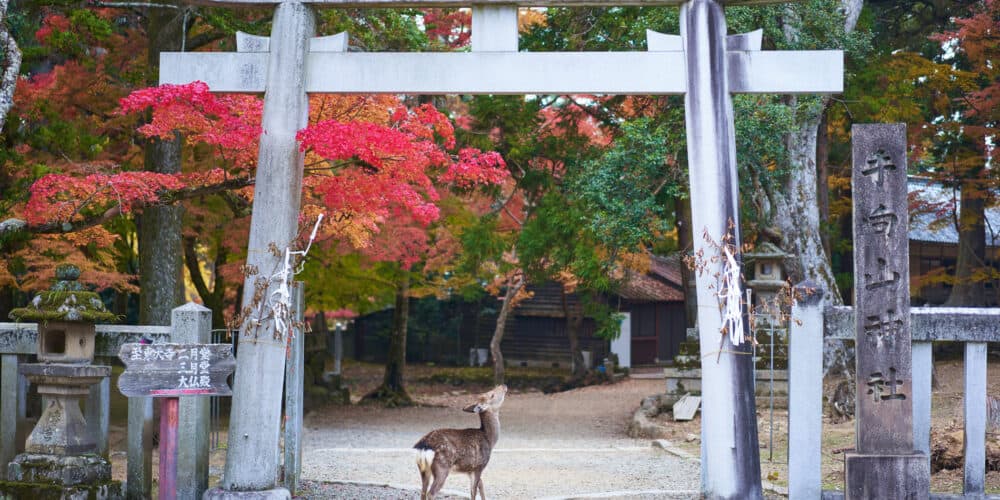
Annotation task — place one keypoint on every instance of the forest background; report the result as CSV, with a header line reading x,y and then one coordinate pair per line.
x,y
150,189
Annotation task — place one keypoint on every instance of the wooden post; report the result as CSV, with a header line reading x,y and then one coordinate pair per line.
x,y
730,453
975,419
192,324
884,464
170,371
169,418
338,349
139,471
8,410
805,402
294,386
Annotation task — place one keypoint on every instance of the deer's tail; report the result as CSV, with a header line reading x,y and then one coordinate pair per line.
x,y
425,457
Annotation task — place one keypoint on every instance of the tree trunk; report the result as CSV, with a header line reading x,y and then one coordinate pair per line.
x,y
160,265
823,179
391,392
396,363
10,65
574,320
969,291
794,206
795,214
514,285
213,298
161,283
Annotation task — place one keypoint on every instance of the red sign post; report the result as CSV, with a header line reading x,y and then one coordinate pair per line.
x,y
170,371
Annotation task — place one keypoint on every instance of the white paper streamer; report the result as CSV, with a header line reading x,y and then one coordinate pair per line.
x,y
730,296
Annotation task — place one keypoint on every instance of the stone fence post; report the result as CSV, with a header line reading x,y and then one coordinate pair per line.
x,y
192,323
805,392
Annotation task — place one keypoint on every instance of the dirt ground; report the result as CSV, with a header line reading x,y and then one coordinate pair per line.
x,y
559,445
838,438
576,436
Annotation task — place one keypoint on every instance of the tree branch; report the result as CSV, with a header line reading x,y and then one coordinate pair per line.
x,y
191,261
204,39
11,226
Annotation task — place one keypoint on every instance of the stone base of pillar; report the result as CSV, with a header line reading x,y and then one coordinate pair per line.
x,y
887,476
40,476
221,494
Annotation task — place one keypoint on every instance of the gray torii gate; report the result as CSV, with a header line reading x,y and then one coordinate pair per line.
x,y
702,63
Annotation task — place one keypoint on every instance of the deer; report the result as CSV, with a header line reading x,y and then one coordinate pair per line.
x,y
465,450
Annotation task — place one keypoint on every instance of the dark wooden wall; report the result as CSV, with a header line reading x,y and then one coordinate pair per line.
x,y
539,338
658,328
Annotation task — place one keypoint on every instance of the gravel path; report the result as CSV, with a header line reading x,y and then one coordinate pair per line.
x,y
566,445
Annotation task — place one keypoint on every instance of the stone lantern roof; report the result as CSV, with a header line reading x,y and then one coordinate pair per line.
x,y
766,250
65,301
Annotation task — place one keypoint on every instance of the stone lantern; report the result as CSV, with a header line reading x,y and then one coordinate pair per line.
x,y
768,278
59,453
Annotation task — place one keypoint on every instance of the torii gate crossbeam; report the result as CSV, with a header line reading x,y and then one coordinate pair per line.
x,y
703,64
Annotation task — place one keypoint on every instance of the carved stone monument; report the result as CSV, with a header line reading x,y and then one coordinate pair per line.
x,y
884,463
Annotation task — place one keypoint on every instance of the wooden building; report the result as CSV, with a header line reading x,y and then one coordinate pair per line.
x,y
446,331
536,332
934,242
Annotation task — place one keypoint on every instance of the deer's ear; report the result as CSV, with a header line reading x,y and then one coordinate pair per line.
x,y
473,408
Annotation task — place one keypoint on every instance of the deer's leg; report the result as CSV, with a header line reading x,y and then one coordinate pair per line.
x,y
477,483
425,479
440,475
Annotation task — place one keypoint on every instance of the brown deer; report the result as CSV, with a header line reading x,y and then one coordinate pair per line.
x,y
465,450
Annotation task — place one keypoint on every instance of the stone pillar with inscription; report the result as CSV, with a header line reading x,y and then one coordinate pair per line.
x,y
884,463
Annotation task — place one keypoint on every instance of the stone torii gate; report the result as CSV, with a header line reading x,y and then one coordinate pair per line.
x,y
702,63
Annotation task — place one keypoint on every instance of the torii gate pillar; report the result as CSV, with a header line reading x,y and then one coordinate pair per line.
x,y
251,464
730,455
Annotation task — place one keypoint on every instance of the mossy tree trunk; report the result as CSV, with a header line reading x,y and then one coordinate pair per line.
x,y
160,264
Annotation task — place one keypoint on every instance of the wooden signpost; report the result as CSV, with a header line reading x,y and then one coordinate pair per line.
x,y
171,371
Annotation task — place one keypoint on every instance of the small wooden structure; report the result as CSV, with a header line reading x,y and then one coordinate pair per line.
x,y
536,333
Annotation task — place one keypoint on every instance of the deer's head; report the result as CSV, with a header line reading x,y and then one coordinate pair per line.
x,y
488,400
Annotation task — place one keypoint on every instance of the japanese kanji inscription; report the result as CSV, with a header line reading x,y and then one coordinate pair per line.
x,y
884,463
170,370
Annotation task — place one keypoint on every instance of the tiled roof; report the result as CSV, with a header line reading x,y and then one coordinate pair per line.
x,y
668,268
663,282
931,227
646,288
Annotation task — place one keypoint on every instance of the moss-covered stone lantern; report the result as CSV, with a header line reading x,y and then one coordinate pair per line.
x,y
66,315
60,459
